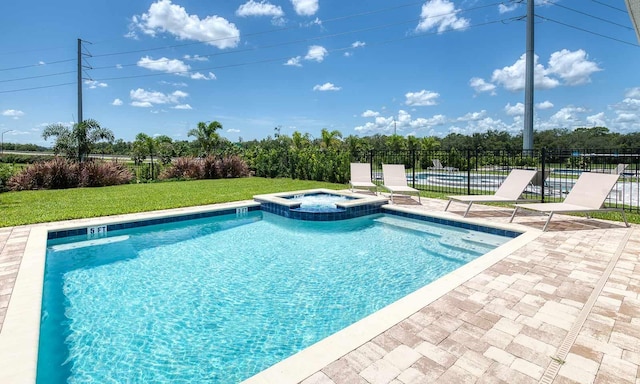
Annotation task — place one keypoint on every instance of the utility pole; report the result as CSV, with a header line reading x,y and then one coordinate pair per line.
x,y
527,133
80,68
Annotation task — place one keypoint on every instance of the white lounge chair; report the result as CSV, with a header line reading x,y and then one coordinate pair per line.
x,y
361,177
395,180
620,168
437,166
508,192
587,195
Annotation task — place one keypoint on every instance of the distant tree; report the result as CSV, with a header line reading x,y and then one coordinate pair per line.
x,y
142,146
206,136
78,141
429,143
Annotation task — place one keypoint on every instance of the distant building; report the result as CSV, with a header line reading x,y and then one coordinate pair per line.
x,y
634,13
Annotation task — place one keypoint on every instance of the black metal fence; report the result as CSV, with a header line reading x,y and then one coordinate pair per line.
x,y
481,172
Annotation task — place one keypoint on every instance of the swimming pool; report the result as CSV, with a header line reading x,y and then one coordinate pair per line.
x,y
138,306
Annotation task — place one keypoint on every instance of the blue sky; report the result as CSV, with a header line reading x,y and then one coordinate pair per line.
x,y
423,68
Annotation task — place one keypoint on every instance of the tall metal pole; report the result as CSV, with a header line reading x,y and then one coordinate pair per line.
x,y
80,81
527,133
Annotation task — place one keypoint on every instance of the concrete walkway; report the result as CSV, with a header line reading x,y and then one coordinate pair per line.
x,y
565,308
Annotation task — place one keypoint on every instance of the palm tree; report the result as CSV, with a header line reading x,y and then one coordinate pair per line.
x,y
77,141
206,136
328,139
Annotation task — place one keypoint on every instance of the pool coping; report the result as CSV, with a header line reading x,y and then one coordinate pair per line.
x,y
19,342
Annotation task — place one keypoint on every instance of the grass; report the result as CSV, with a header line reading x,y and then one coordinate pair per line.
x,y
31,207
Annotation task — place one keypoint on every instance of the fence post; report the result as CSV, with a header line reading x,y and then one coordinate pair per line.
x,y
413,168
371,163
468,171
544,163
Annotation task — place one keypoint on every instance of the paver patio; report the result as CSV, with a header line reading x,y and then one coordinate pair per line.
x,y
564,308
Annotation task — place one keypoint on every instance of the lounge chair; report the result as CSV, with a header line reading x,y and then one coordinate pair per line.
x,y
361,177
437,166
508,192
620,168
587,195
395,180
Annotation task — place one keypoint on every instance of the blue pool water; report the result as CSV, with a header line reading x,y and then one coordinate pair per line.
x,y
220,299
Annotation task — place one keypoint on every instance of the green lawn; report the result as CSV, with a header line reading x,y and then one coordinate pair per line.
x,y
30,207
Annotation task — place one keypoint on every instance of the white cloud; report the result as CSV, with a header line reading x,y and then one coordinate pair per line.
x,y
163,16
173,84
514,110
512,78
143,98
572,67
503,8
370,113
95,84
195,58
479,85
174,66
13,113
440,15
473,116
544,105
326,87
118,66
141,104
200,76
262,8
116,102
567,117
597,120
633,93
294,61
316,53
305,7
182,106
421,98
348,54
358,44
164,64
403,122
41,63
233,130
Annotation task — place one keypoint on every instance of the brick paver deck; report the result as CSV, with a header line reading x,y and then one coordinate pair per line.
x,y
565,308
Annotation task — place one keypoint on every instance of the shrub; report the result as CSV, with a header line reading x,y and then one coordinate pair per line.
x,y
210,166
232,166
100,174
58,173
184,168
61,173
6,171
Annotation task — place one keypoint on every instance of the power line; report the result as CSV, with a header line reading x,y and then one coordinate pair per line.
x,y
610,6
37,77
588,31
37,65
32,88
592,16
292,42
288,57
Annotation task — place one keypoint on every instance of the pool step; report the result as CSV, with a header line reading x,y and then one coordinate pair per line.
x,y
409,225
